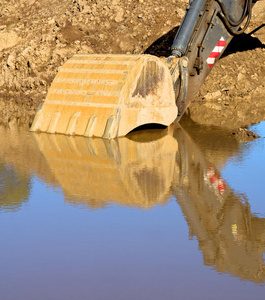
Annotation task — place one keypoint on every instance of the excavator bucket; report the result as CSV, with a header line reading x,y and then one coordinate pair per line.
x,y
107,96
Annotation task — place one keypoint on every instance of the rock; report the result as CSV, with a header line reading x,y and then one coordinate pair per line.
x,y
8,39
119,16
181,12
11,60
244,135
240,77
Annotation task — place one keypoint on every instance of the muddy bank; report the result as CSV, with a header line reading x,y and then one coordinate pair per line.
x,y
37,37
233,94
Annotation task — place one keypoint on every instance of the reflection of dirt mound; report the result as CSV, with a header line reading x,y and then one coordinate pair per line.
x,y
20,158
14,188
217,144
36,37
20,151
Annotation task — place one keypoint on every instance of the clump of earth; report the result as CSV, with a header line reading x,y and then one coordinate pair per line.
x,y
243,134
38,36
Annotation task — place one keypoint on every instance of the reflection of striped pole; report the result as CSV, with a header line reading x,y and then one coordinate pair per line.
x,y
216,52
216,181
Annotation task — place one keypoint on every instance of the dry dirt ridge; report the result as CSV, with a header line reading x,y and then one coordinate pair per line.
x,y
38,36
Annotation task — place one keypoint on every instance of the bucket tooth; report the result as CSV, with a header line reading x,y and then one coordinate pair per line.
x,y
71,128
109,129
107,96
112,126
91,126
53,123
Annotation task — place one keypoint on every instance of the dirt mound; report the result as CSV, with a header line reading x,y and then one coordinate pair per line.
x,y
38,36
243,134
233,94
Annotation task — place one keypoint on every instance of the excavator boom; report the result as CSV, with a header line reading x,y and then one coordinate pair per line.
x,y
110,95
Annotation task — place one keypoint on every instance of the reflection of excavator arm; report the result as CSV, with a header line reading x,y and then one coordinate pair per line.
x,y
110,95
229,235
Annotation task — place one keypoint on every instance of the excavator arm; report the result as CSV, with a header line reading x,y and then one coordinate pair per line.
x,y
207,29
110,95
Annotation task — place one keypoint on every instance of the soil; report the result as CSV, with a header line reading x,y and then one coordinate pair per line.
x,y
38,36
243,134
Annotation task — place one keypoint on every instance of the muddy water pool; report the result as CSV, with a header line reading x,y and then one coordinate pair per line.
x,y
164,214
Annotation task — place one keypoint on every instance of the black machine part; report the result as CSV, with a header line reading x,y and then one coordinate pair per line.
x,y
205,32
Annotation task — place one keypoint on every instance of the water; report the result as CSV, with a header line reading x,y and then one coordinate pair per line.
x,y
246,172
173,214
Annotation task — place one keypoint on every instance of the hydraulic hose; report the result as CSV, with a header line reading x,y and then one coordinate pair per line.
x,y
180,43
230,23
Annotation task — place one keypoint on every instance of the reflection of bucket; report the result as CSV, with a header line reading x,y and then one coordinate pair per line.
x,y
96,172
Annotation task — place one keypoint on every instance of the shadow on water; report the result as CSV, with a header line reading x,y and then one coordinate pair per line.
x,y
144,171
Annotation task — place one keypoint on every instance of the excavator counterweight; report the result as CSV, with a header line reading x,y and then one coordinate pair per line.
x,y
110,95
